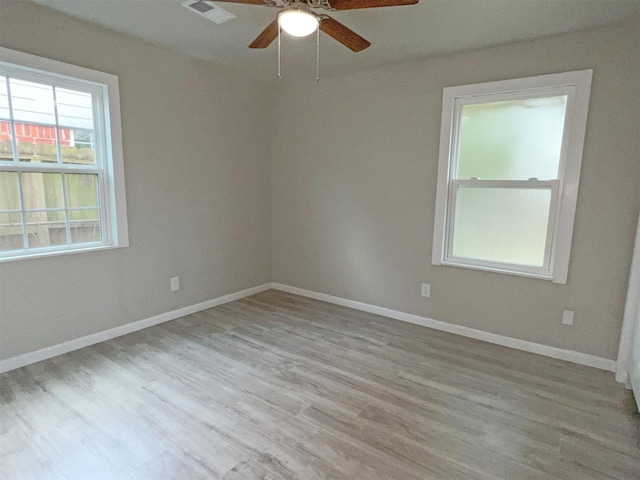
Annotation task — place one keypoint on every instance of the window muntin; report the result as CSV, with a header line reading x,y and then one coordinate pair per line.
x,y
61,172
508,151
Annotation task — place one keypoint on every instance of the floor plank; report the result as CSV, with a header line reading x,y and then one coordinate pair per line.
x,y
277,386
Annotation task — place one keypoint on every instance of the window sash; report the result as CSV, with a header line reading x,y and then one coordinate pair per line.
x,y
460,102
451,259
97,99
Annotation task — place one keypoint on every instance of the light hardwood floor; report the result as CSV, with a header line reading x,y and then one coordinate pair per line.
x,y
277,386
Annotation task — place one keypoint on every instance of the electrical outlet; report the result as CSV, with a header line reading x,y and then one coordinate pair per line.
x,y
175,283
426,290
567,317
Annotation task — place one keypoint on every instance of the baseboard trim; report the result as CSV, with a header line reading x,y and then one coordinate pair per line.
x,y
78,343
518,344
623,377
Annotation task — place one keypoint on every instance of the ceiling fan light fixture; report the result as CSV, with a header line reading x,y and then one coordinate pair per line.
x,y
298,23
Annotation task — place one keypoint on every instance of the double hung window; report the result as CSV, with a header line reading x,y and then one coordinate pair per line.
x,y
510,157
61,168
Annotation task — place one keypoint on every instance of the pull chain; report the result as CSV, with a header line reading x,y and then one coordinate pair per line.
x,y
318,54
279,29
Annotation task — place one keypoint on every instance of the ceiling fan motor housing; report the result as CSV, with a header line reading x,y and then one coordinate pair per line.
x,y
297,20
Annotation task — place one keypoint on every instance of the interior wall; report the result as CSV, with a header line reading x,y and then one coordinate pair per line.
x,y
197,181
354,183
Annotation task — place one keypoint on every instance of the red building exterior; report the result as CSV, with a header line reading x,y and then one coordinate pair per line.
x,y
39,134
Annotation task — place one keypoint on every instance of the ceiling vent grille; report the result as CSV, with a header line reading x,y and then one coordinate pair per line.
x,y
209,10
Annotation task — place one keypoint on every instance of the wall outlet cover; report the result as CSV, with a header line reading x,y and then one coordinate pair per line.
x,y
567,317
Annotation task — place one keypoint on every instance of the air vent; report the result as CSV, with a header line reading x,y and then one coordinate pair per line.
x,y
209,10
201,7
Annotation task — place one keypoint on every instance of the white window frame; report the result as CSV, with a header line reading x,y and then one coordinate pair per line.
x,y
109,159
564,189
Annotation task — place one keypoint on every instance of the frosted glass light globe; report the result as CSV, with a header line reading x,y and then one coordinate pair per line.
x,y
298,23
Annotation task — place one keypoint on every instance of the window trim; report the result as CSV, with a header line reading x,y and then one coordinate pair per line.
x,y
577,85
113,198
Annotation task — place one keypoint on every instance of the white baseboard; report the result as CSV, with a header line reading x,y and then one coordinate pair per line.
x,y
540,349
78,343
623,377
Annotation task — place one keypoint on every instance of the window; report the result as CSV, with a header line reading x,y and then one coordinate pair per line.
x,y
510,155
61,165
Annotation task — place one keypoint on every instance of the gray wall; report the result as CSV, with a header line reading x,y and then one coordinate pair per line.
x,y
354,192
197,181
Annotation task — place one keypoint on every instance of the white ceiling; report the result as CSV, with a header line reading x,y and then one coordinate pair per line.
x,y
397,34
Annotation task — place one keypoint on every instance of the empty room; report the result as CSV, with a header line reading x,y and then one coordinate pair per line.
x,y
319,239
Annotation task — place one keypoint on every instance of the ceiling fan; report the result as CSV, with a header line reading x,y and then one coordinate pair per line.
x,y
297,19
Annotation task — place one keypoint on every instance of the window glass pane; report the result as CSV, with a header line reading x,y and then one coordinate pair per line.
x,y
9,191
36,143
4,99
11,232
75,109
77,146
46,229
85,226
82,190
32,102
501,225
6,146
515,140
42,190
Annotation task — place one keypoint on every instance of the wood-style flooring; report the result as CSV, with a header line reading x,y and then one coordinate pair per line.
x,y
277,386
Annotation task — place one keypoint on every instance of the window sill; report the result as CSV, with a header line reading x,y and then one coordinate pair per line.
x,y
54,253
507,271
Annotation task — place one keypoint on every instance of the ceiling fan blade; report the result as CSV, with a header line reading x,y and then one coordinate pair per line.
x,y
353,4
344,35
267,36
